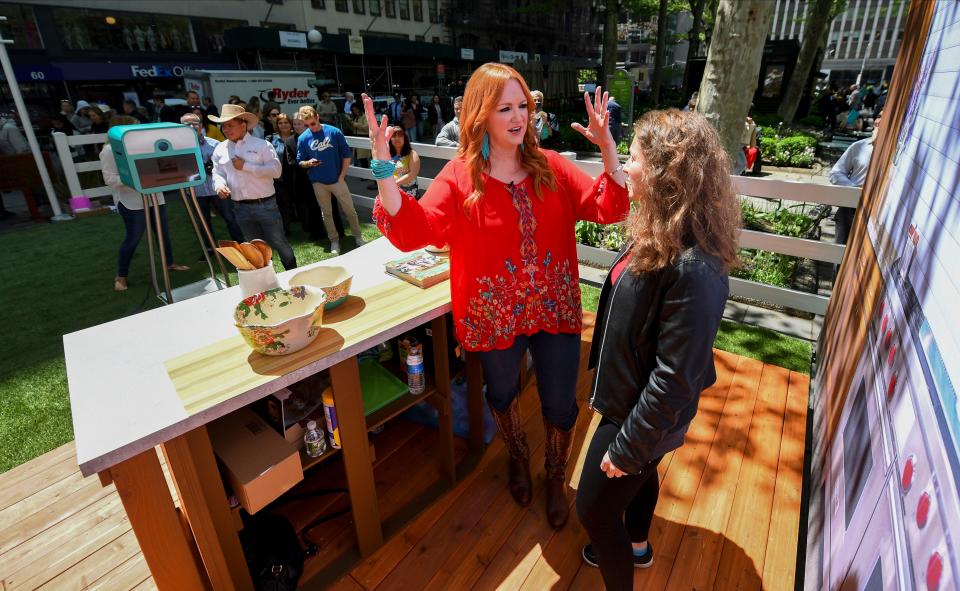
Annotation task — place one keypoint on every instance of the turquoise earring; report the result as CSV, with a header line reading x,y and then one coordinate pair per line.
x,y
485,147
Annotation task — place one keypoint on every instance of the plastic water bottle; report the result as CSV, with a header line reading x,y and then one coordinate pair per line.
x,y
314,440
415,379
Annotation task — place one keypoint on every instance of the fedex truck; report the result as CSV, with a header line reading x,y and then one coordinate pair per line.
x,y
291,90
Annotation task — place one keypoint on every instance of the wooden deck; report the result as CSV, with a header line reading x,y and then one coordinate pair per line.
x,y
728,515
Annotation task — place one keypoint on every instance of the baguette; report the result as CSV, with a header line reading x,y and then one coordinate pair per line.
x,y
252,254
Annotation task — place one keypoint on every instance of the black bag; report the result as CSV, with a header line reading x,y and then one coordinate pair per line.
x,y
273,552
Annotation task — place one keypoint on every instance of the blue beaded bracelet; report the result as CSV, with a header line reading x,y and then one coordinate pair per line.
x,y
382,169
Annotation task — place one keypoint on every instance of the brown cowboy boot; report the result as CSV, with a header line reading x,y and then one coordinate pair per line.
x,y
558,446
511,429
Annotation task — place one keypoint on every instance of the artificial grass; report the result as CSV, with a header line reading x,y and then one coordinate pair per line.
x,y
62,281
768,346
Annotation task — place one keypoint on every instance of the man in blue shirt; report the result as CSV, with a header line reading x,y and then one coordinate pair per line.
x,y
323,152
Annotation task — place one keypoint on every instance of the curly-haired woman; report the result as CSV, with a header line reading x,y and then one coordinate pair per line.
x,y
659,311
507,208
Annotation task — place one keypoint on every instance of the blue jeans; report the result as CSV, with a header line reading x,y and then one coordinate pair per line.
x,y
136,224
556,360
262,220
225,211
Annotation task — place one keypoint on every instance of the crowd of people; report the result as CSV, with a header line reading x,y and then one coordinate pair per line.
x,y
851,107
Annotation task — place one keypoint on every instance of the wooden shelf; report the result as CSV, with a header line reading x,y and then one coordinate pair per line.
x,y
405,401
307,462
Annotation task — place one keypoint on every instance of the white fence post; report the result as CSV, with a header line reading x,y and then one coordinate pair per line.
x,y
796,191
67,163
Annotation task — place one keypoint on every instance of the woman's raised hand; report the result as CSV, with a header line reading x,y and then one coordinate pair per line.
x,y
380,133
598,131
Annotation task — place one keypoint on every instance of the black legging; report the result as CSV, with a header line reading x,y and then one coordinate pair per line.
x,y
615,511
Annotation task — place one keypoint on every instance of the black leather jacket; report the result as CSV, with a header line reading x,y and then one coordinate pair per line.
x,y
653,352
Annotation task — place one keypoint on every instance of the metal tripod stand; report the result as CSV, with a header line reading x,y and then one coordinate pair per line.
x,y
151,206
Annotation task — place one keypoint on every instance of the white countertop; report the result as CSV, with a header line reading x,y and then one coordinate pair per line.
x,y
122,400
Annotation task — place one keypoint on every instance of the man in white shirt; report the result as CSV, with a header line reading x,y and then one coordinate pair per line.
x,y
244,167
11,142
851,171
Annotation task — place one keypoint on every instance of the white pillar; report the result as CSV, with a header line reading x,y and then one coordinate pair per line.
x,y
883,34
776,17
58,216
783,21
843,25
793,21
853,27
803,21
896,29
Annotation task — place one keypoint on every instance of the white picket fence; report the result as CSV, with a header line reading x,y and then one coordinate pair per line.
x,y
796,191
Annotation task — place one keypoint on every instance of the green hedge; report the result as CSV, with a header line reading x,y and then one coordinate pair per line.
x,y
793,150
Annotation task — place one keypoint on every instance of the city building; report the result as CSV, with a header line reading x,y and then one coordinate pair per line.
x,y
864,38
110,50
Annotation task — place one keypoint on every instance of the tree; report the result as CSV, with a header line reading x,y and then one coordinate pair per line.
x,y
610,39
733,62
817,24
661,51
697,8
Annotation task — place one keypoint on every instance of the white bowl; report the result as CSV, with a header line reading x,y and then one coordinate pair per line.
x,y
334,281
280,321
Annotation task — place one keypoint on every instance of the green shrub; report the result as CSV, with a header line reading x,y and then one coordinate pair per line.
x,y
765,267
570,139
812,121
768,133
611,237
794,150
589,233
623,147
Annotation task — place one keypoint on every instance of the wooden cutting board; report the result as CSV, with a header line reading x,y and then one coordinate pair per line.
x,y
220,371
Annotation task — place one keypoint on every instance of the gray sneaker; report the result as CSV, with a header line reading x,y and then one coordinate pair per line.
x,y
334,247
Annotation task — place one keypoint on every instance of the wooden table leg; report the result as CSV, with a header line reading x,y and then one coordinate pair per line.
x,y
193,465
345,379
153,516
443,400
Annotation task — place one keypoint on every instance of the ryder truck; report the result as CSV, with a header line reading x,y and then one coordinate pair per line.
x,y
291,90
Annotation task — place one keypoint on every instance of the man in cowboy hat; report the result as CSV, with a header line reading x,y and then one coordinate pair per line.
x,y
244,167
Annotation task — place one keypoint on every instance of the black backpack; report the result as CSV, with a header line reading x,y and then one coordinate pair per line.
x,y
273,552
272,547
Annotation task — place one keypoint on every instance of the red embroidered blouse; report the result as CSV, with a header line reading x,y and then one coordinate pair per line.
x,y
513,261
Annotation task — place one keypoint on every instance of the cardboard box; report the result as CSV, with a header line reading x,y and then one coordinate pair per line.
x,y
259,463
289,410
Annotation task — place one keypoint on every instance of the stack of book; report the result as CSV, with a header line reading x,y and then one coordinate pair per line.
x,y
421,268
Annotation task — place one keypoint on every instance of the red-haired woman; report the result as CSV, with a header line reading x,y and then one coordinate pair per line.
x,y
507,208
659,312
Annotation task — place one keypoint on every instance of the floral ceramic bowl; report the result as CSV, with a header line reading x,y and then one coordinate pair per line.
x,y
334,281
280,321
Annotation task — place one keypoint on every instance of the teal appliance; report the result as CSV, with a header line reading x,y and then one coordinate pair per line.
x,y
157,157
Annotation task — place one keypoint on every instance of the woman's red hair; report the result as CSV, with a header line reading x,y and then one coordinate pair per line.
x,y
481,97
